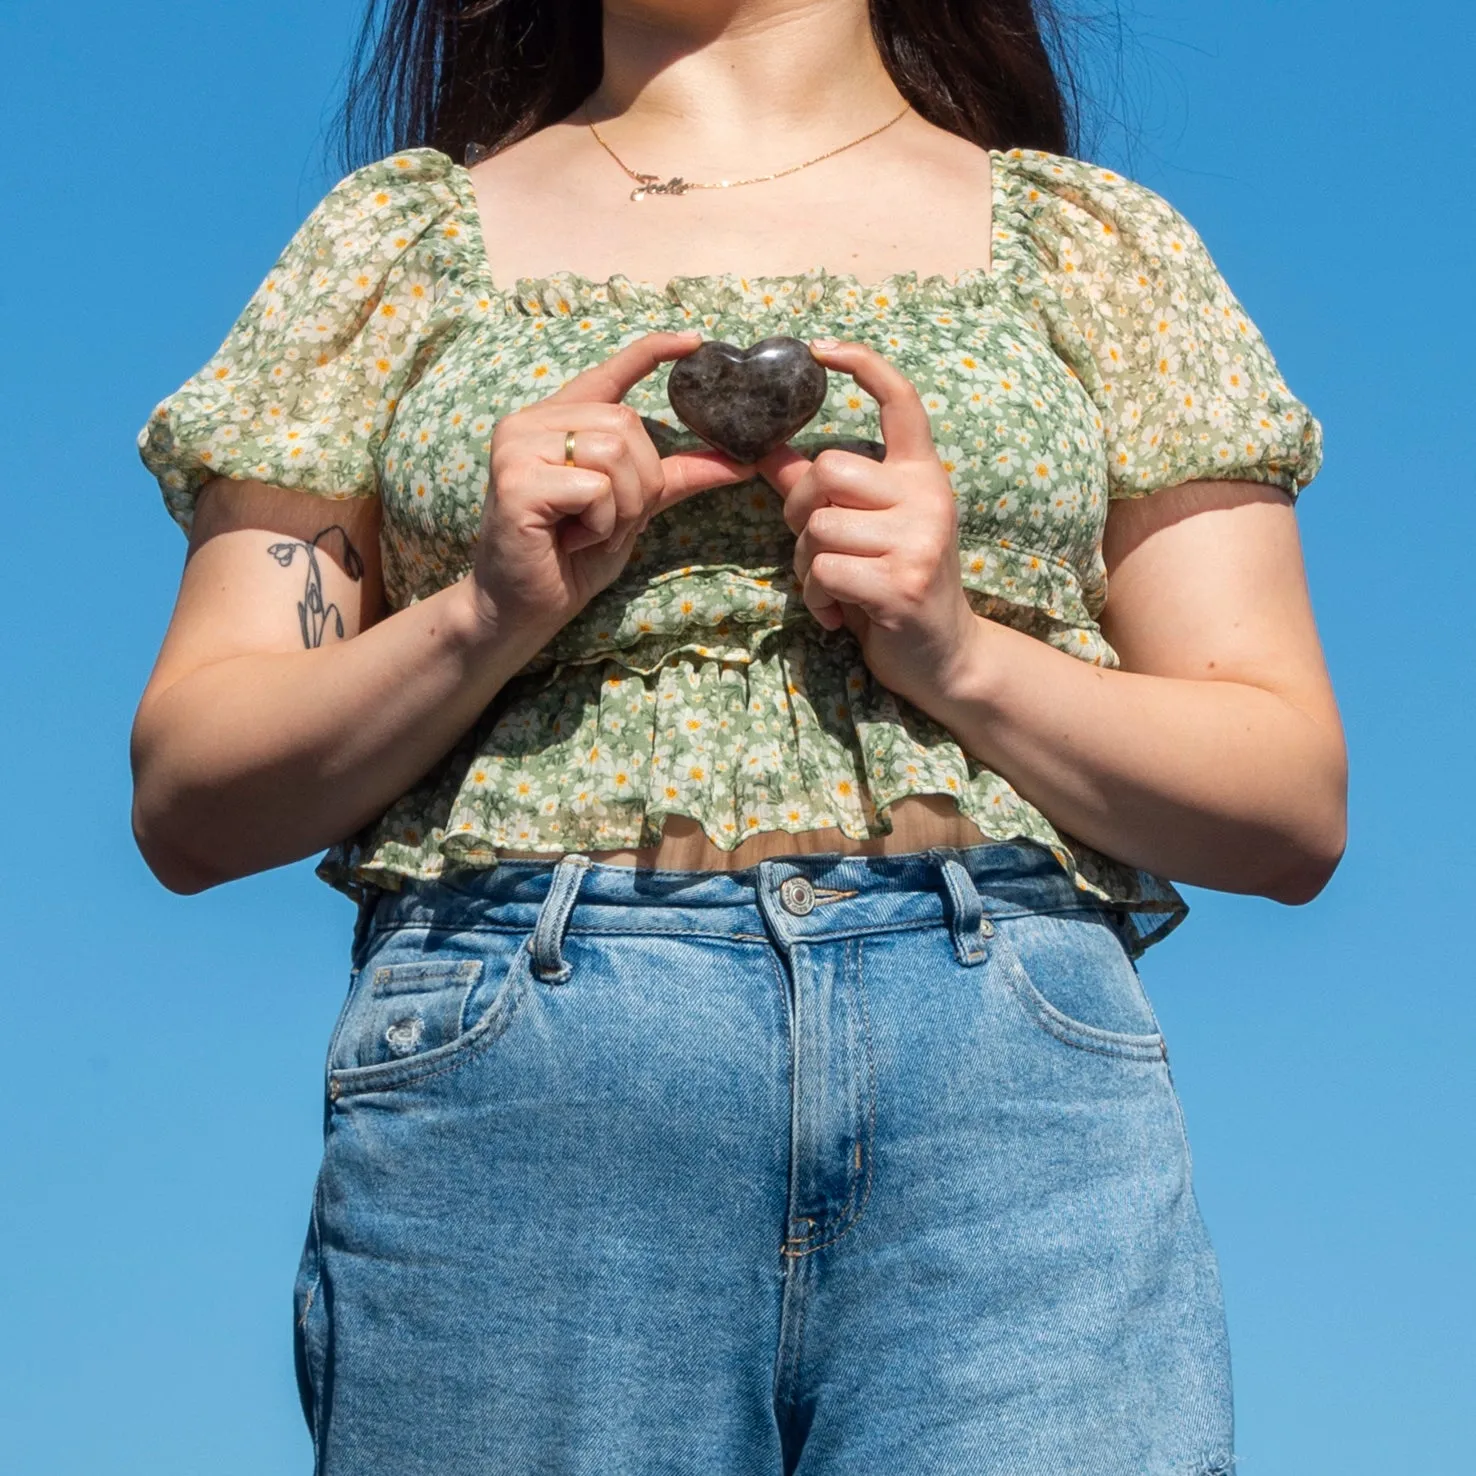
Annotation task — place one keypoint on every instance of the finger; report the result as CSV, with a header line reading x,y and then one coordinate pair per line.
x,y
687,472
612,380
603,451
783,469
904,421
843,530
841,479
600,418
575,492
855,580
574,535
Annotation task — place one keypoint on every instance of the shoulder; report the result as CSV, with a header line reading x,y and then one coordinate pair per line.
x,y
1139,312
1073,215
303,386
1045,187
383,208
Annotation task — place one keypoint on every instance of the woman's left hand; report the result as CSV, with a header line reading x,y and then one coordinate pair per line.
x,y
877,546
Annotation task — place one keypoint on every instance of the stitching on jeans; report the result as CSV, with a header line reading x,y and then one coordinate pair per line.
x,y
848,1220
1087,1038
786,1246
1114,1044
1183,1132
473,1044
1117,1046
802,1320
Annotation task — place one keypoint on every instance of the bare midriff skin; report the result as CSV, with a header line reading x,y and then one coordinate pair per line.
x,y
918,822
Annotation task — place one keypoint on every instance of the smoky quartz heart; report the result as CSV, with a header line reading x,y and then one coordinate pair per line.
x,y
747,402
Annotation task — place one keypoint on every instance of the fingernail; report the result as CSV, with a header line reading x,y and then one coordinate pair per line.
x,y
825,343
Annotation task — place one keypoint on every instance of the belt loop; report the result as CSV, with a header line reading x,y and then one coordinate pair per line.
x,y
967,922
549,962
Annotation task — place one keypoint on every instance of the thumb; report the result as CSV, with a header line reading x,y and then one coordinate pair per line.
x,y
782,469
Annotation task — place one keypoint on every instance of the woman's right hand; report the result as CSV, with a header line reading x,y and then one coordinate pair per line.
x,y
552,536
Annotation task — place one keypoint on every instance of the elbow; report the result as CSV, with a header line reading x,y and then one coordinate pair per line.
x,y
1314,854
171,865
1306,879
158,818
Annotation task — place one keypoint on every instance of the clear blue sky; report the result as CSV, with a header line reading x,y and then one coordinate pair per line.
x,y
161,1096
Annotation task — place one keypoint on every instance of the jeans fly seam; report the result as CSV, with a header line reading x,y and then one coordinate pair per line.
x,y
800,1245
790,1375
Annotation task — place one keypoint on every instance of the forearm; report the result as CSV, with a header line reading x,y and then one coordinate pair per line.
x,y
1215,783
258,760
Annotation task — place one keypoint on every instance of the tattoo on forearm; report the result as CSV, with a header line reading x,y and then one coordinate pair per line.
x,y
312,613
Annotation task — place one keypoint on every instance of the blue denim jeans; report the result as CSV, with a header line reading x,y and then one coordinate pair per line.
x,y
861,1165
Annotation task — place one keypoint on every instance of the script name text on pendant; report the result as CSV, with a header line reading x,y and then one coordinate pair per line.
x,y
650,184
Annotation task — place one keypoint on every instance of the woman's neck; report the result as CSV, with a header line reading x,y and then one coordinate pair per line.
x,y
730,84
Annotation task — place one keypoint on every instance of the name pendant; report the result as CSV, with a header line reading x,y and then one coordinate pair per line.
x,y
650,184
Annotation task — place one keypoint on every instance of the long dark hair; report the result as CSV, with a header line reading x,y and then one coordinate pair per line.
x,y
446,73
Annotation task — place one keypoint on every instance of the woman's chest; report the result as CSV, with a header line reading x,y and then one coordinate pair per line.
x,y
1020,438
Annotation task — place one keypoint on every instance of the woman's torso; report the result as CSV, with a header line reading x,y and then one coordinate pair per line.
x,y
696,691
541,192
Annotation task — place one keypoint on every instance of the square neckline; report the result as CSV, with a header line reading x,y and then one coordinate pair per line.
x,y
529,287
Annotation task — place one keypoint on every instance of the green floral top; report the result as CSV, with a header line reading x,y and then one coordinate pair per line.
x,y
1101,355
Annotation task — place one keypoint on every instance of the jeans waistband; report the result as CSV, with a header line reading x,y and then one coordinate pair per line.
x,y
794,899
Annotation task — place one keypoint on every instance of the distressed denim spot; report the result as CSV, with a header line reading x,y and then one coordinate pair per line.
x,y
404,1035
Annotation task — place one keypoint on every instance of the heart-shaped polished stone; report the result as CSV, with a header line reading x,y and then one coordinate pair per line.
x,y
747,402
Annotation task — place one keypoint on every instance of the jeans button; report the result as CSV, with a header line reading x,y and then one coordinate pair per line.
x,y
797,895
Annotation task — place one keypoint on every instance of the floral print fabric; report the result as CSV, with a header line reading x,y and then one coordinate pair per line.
x,y
1100,355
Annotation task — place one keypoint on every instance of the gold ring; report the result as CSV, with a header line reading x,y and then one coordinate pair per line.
x,y
568,448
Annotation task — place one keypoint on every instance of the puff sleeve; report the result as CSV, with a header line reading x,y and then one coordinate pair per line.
x,y
1185,385
304,387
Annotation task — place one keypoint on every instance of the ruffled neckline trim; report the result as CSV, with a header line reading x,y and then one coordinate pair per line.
x,y
570,292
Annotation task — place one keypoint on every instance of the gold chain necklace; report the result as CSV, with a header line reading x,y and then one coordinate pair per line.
x,y
651,184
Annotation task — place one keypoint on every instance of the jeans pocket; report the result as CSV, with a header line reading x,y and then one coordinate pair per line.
x,y
424,1002
1074,980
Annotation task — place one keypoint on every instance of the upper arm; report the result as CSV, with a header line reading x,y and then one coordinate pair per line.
x,y
1206,581
270,569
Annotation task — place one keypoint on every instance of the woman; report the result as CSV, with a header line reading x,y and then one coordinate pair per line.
x,y
744,1066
